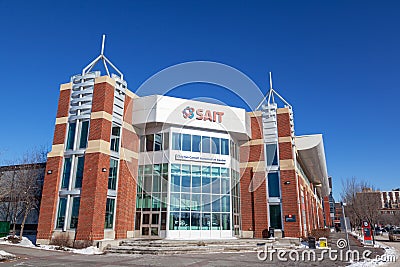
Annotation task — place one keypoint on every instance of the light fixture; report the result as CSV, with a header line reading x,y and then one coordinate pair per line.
x,y
104,169
49,172
287,182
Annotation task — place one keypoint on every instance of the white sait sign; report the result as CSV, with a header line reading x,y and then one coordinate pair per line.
x,y
200,159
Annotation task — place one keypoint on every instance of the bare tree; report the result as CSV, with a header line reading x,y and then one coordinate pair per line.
x,y
363,202
21,184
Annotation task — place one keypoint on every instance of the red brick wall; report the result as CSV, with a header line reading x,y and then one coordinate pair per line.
x,y
253,194
93,197
100,129
103,97
60,132
327,211
48,206
246,200
63,103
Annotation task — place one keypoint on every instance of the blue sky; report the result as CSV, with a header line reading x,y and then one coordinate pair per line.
x,y
336,62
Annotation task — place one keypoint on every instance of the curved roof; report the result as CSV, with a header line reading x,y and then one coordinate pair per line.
x,y
310,149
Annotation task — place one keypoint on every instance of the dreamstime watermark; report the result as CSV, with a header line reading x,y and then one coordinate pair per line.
x,y
328,254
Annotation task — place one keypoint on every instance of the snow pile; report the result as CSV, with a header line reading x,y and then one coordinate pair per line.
x,y
390,256
6,256
25,242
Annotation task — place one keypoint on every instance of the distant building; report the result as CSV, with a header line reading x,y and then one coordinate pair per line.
x,y
10,206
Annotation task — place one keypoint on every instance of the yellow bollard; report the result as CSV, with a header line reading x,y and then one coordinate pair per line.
x,y
323,242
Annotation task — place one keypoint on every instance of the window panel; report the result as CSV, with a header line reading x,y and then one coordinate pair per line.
x,y
205,144
79,172
196,143
216,203
185,202
75,212
166,141
226,221
272,156
149,142
224,146
275,216
112,174
66,173
186,142
175,201
109,215
215,145
174,221
71,136
195,221
176,141
216,186
273,185
158,142
216,221
62,205
184,223
225,204
206,221
84,134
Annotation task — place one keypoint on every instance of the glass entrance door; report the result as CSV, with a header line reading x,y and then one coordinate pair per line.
x,y
150,226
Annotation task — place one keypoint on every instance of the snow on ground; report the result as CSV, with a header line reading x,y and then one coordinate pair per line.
x,y
388,257
5,255
25,242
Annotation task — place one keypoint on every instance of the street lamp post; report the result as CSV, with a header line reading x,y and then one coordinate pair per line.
x,y
345,224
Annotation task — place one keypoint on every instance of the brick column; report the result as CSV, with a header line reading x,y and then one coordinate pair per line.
x,y
289,180
253,194
48,206
327,212
97,156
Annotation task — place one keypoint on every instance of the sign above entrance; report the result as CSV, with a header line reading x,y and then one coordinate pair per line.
x,y
201,114
200,159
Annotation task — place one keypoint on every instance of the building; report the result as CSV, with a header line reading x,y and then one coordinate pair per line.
x,y
15,180
156,166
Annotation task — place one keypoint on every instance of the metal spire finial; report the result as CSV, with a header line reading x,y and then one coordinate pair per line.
x,y
105,61
102,45
270,80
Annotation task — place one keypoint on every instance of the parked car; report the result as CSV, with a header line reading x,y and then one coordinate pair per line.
x,y
394,234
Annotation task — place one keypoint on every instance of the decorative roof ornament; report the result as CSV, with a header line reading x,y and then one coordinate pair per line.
x,y
269,98
105,61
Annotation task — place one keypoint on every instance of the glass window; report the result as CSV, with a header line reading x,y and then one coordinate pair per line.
x,y
205,144
226,221
155,202
275,216
112,175
216,186
142,142
158,142
196,184
84,134
206,185
147,183
186,142
175,201
115,137
185,202
216,221
149,142
184,223
62,204
224,172
215,172
195,203
206,202
71,135
225,186
225,204
216,203
206,221
109,216
185,169
272,156
175,183
75,212
196,143
174,221
79,172
195,221
273,185
224,146
166,141
185,183
66,173
156,183
176,141
215,145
